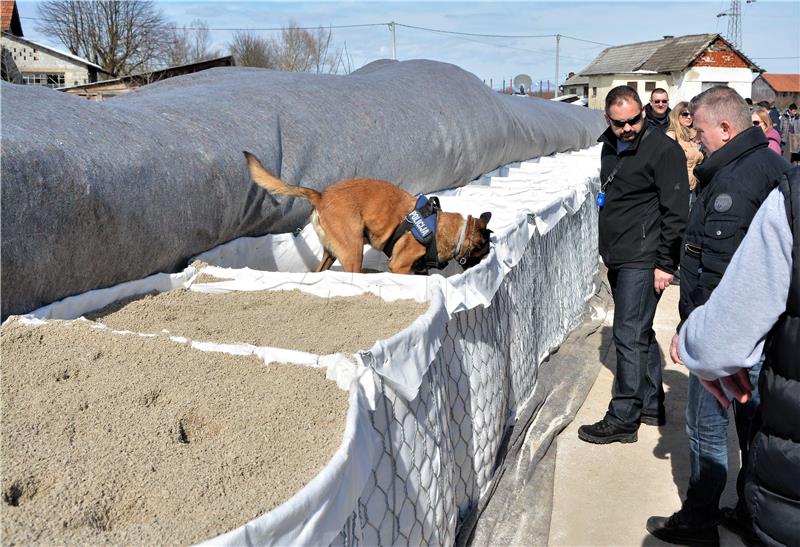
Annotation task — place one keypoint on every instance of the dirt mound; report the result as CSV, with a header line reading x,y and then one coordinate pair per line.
x,y
126,439
284,319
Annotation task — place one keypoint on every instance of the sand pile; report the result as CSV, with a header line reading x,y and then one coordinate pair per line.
x,y
139,440
285,319
128,439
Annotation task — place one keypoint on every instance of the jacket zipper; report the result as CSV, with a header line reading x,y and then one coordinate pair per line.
x,y
644,222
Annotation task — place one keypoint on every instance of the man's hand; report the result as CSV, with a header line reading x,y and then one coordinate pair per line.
x,y
737,385
673,351
661,280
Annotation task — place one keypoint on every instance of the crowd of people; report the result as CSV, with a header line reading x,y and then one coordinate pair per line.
x,y
708,186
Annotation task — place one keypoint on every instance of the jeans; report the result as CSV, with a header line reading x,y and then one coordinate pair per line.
x,y
637,385
707,428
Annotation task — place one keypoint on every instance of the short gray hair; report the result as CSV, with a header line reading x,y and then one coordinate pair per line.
x,y
723,103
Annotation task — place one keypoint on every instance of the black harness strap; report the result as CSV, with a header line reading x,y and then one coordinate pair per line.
x,y
430,260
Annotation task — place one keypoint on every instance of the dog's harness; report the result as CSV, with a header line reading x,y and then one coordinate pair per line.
x,y
421,222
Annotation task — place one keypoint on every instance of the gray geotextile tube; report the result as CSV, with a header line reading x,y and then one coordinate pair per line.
x,y
98,193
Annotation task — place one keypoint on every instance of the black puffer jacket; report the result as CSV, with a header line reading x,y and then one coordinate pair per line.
x,y
733,183
773,487
646,205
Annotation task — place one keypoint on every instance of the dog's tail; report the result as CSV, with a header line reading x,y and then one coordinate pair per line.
x,y
274,185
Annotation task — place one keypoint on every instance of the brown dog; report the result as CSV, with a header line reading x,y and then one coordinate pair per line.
x,y
350,212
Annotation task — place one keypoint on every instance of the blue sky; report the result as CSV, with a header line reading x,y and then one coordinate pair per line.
x,y
770,35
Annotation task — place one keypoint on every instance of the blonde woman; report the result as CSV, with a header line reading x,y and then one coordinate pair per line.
x,y
762,120
680,129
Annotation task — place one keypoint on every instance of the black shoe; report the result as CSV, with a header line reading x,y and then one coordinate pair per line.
x,y
676,530
604,432
740,524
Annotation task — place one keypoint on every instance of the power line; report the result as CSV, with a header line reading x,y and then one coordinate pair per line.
x,y
252,28
391,25
476,34
589,41
500,35
440,31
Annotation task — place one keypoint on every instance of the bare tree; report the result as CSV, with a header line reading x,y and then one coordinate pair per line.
x,y
323,58
252,50
122,36
301,50
8,68
295,50
191,44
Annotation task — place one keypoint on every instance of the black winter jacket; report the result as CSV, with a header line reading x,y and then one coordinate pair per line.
x,y
660,123
733,183
773,480
773,486
646,204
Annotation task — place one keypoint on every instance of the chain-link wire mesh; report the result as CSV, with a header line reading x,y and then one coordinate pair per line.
x,y
440,450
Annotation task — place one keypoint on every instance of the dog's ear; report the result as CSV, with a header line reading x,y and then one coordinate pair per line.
x,y
486,217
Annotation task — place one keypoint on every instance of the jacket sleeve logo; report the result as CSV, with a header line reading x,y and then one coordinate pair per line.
x,y
723,202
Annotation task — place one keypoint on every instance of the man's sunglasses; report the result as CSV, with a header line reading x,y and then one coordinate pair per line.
x,y
623,123
660,101
685,114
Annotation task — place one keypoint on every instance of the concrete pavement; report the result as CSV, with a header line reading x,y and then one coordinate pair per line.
x,y
603,494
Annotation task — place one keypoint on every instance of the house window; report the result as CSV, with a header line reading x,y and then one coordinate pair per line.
x,y
634,85
48,80
709,85
649,86
594,92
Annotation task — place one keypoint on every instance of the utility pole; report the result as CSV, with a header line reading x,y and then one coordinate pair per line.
x,y
734,15
394,40
558,52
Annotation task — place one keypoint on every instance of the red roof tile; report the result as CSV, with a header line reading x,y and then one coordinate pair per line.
x,y
783,83
9,17
6,11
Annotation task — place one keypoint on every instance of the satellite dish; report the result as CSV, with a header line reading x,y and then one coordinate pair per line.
x,y
522,83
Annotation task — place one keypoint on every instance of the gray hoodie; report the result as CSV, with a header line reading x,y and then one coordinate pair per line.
x,y
728,332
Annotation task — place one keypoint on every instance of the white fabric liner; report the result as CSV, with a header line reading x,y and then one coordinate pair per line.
x,y
525,198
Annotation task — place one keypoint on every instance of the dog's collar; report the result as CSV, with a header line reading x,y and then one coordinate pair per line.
x,y
463,259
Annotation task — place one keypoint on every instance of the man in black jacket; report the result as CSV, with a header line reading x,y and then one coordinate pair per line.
x,y
658,110
643,213
734,180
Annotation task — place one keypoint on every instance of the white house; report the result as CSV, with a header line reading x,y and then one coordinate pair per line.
x,y
39,64
42,65
576,84
683,65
